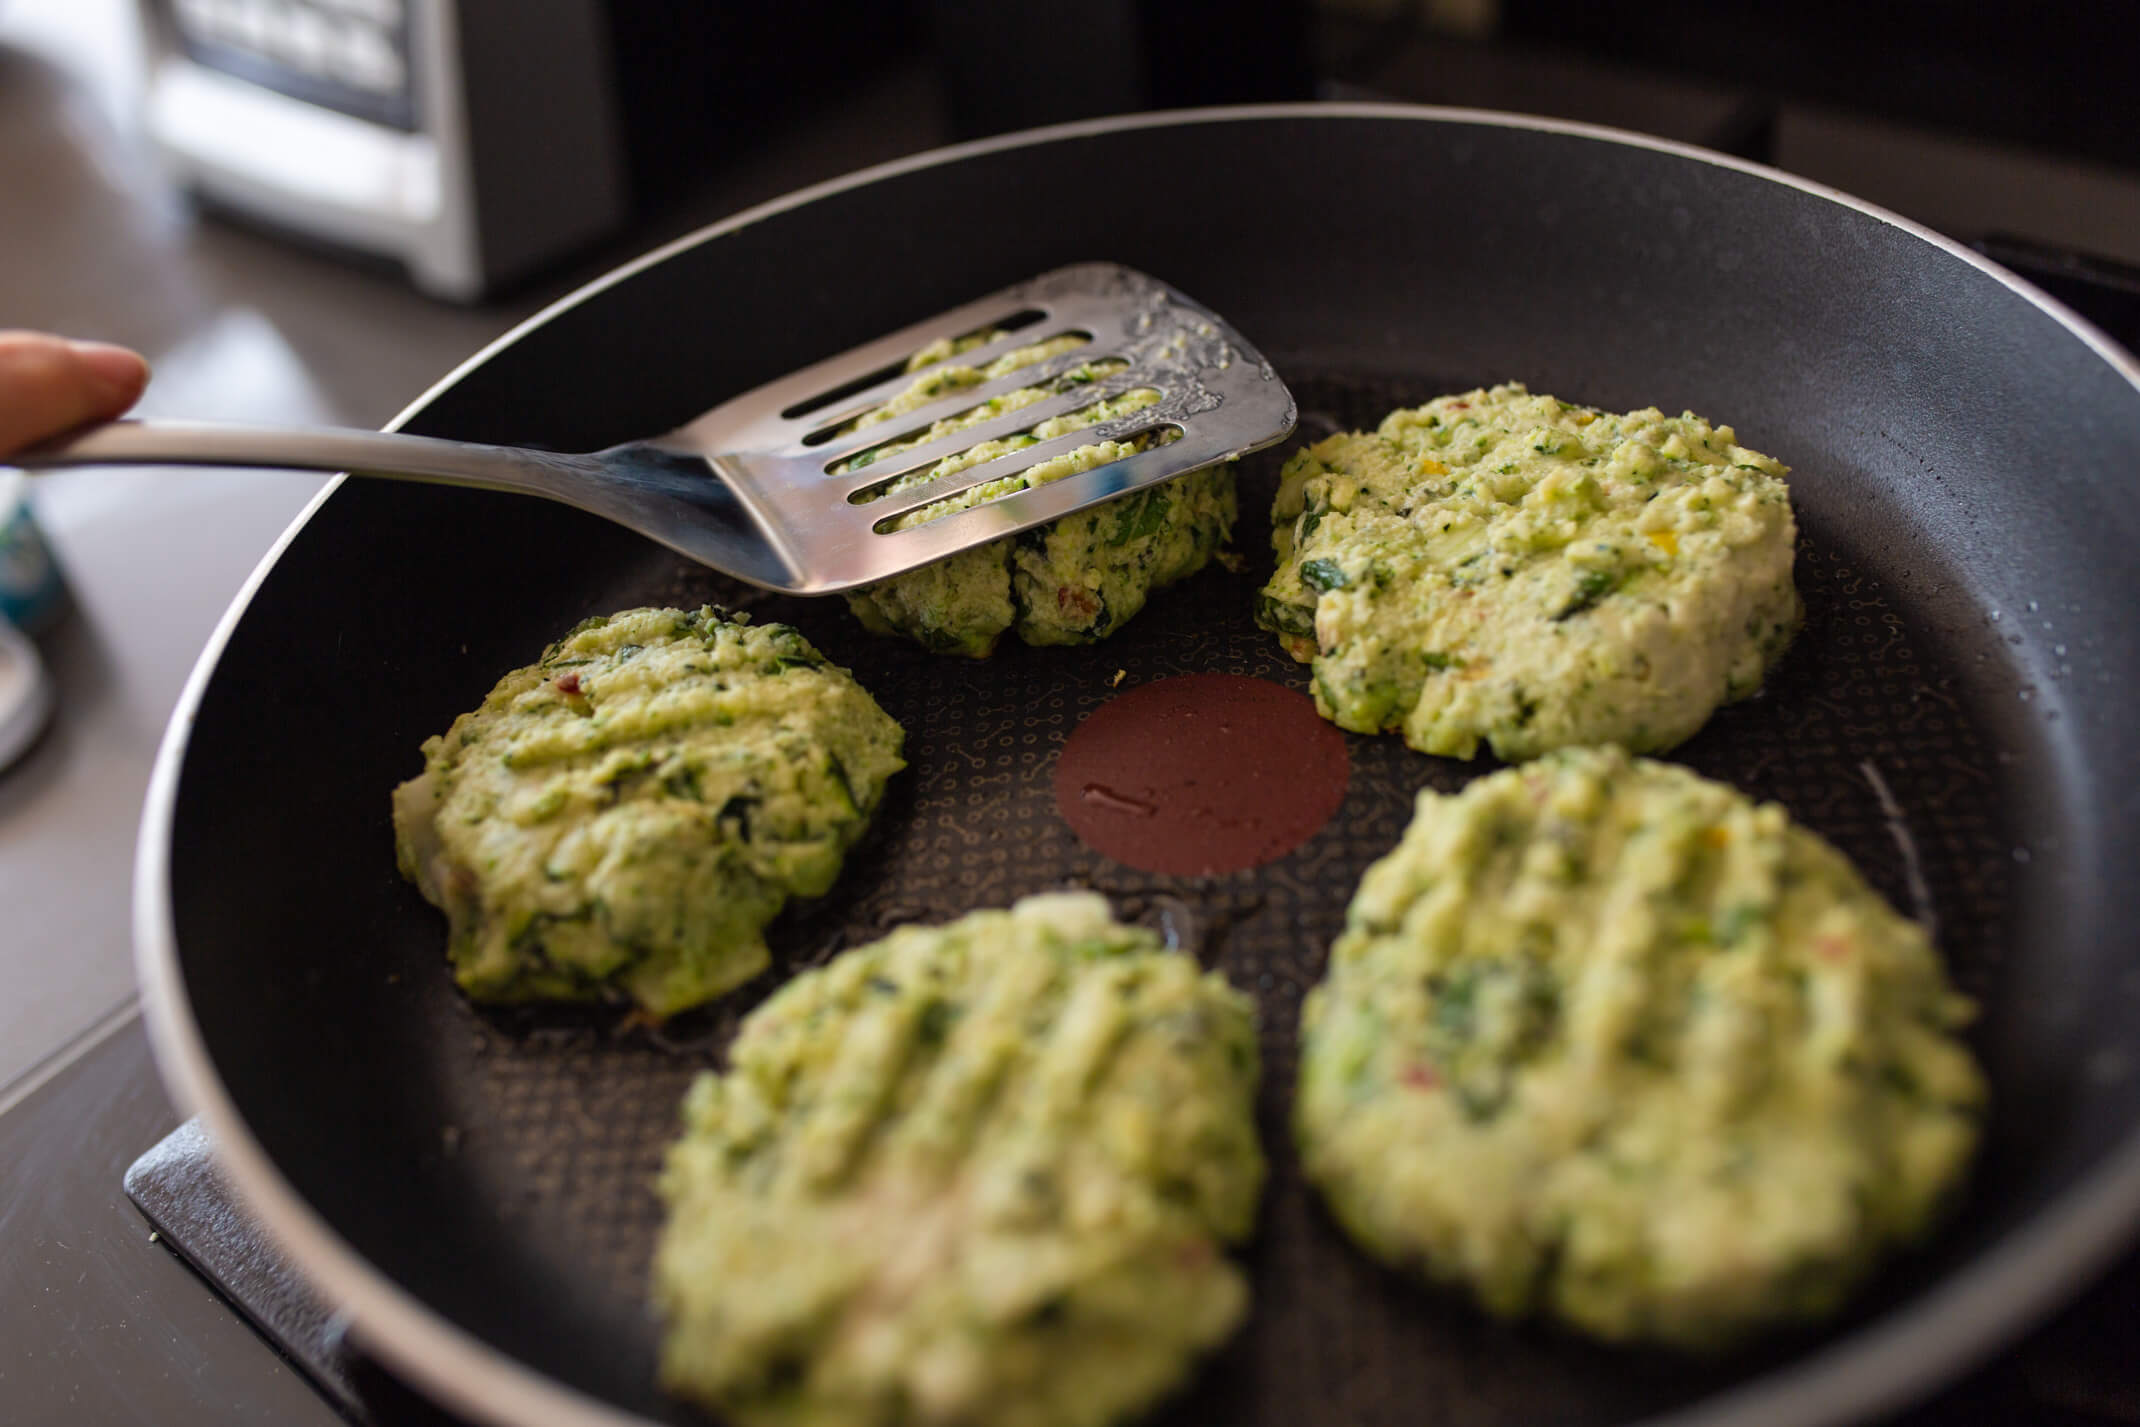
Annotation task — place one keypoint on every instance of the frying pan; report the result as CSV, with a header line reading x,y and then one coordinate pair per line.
x,y
471,1186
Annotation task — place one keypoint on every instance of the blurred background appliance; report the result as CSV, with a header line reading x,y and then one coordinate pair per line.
x,y
470,152
476,141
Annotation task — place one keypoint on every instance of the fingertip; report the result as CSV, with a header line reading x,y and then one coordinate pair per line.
x,y
121,371
49,385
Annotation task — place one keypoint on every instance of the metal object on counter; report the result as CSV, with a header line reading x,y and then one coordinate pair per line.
x,y
178,1187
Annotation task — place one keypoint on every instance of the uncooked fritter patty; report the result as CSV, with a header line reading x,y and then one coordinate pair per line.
x,y
980,1172
1510,568
623,817
1608,1041
1072,581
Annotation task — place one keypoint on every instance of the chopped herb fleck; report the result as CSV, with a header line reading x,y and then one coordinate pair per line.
x,y
1590,587
1323,575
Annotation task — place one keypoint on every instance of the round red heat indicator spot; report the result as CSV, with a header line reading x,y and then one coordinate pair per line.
x,y
1200,775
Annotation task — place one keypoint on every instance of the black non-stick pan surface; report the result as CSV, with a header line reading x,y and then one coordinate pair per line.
x,y
474,1185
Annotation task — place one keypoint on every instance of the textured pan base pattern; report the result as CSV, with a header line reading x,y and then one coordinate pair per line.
x,y
561,1117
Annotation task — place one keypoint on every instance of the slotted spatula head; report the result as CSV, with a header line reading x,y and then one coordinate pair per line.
x,y
845,498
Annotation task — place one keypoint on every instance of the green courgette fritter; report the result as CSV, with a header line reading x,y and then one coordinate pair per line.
x,y
1072,581
1607,1041
621,819
1511,569
974,1173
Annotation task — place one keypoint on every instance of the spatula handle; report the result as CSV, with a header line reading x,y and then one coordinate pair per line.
x,y
320,448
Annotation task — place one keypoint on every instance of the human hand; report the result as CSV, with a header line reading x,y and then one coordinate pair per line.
x,y
49,385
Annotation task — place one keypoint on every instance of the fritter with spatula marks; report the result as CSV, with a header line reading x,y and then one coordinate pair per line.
x,y
981,1172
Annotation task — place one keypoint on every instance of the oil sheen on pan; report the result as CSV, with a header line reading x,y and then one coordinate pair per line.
x,y
1201,775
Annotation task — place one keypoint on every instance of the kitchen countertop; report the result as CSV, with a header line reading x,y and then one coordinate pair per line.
x,y
95,242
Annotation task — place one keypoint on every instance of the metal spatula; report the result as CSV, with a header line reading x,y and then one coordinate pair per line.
x,y
776,487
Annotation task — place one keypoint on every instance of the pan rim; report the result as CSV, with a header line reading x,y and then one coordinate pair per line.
x,y
1983,1306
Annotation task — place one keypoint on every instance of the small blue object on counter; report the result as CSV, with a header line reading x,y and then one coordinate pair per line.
x,y
31,597
32,594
